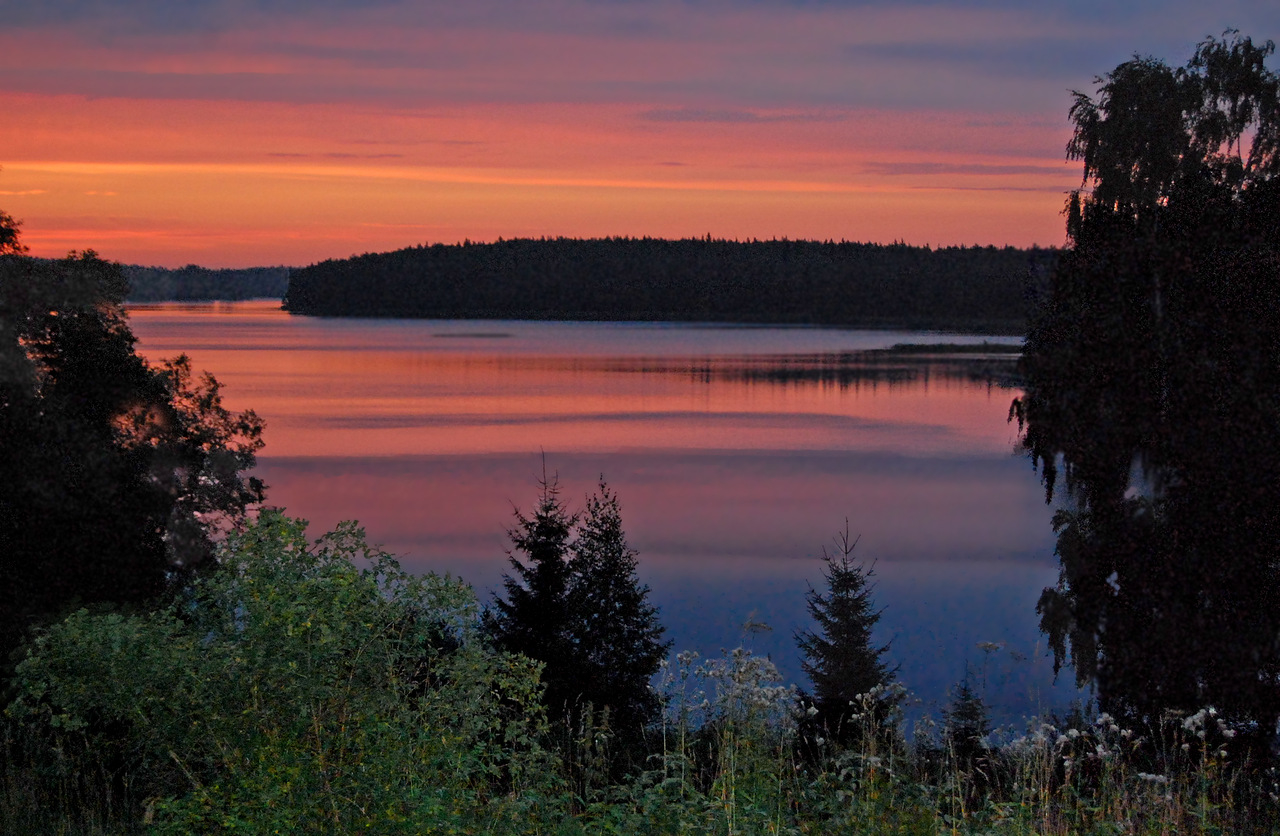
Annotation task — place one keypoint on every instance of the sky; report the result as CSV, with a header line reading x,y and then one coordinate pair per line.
x,y
232,133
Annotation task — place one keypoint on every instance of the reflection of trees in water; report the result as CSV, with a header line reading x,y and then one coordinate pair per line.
x,y
853,370
1153,383
844,370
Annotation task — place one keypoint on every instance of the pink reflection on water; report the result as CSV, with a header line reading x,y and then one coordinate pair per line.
x,y
391,388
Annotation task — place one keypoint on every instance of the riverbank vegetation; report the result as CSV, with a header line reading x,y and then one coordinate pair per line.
x,y
984,289
317,687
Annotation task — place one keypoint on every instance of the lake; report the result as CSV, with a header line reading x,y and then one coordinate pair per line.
x,y
737,453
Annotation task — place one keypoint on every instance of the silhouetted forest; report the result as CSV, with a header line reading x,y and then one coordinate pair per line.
x,y
194,284
780,281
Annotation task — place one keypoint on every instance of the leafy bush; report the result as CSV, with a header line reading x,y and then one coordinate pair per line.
x,y
301,688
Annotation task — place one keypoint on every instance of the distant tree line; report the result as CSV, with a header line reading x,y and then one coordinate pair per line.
x,y
782,281
193,283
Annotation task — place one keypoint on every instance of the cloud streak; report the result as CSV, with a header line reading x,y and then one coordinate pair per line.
x,y
907,168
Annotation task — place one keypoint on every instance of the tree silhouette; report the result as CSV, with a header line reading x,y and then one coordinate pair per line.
x,y
1153,376
574,603
9,239
846,668
534,619
965,726
116,476
617,633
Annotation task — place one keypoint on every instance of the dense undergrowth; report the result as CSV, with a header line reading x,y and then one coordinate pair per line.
x,y
319,688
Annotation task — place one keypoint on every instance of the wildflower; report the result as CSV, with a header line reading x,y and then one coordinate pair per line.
x,y
1154,779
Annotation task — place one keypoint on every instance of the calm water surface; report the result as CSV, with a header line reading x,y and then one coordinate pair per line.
x,y
737,452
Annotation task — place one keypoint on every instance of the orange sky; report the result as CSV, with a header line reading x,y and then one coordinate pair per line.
x,y
232,134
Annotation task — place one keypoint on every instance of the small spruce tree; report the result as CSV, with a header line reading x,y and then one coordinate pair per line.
x,y
839,656
966,724
575,604
534,617
616,630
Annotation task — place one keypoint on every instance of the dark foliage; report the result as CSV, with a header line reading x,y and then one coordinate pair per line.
x,y
115,475
10,244
534,618
618,637
847,670
688,280
574,603
1153,372
966,724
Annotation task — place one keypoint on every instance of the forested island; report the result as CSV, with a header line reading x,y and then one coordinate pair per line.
x,y
689,280
199,284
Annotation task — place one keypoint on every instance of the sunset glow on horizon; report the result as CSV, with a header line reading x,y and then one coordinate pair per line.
x,y
242,133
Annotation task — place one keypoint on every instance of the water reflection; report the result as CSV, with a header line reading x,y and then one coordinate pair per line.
x,y
736,453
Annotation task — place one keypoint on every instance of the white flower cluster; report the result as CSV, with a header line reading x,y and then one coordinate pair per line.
x,y
1199,723
1103,741
748,687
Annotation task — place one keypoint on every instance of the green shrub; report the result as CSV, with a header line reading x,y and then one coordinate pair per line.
x,y
300,688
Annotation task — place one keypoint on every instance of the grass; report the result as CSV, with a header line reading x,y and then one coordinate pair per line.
x,y
734,756
322,689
